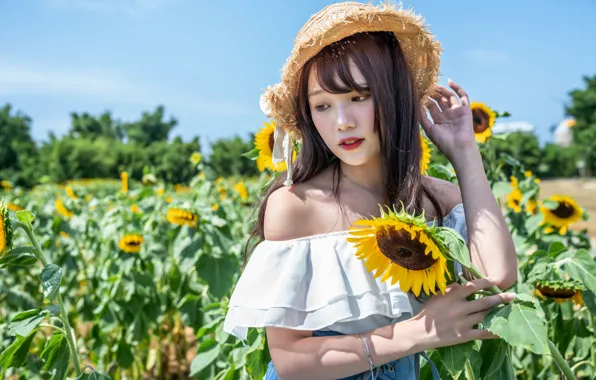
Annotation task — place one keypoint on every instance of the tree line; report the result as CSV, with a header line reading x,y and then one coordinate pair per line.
x,y
102,147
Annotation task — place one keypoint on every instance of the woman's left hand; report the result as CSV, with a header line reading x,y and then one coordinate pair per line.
x,y
452,128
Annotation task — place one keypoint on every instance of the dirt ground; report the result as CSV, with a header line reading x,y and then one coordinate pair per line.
x,y
583,191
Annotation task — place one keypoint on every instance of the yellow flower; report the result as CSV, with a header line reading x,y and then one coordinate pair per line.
x,y
169,200
195,158
484,119
135,209
560,291
401,247
64,235
5,230
182,217
160,191
241,190
219,180
62,210
515,197
202,175
215,207
425,159
566,213
529,174
6,185
70,192
124,178
14,207
131,243
264,140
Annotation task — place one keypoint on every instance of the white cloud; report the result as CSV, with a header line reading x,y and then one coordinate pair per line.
x,y
32,79
486,56
132,7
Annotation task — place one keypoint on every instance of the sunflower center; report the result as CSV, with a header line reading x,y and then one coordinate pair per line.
x,y
480,120
563,210
271,142
556,293
398,247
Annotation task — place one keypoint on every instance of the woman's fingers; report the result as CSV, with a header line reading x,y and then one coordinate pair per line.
x,y
450,97
463,96
486,303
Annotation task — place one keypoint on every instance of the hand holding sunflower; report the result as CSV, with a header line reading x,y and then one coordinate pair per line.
x,y
451,128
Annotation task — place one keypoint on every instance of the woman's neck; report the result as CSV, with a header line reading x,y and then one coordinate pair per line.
x,y
368,176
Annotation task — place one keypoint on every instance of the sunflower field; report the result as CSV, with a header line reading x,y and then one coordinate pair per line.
x,y
116,279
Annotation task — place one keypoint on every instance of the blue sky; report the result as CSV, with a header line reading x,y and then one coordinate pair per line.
x,y
207,62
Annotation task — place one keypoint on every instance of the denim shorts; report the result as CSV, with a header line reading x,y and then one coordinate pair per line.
x,y
406,368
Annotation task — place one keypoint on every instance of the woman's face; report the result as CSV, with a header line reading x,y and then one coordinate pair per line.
x,y
345,121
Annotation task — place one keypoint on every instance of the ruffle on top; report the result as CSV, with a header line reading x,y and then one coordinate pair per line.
x,y
317,283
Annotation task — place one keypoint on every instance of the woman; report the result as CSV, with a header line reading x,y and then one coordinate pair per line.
x,y
358,84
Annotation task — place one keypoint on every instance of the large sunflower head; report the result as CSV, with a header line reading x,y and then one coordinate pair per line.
x,y
484,119
131,243
402,247
264,140
426,156
560,291
566,212
182,217
5,229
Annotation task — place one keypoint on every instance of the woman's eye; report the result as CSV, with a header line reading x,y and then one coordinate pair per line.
x,y
359,98
321,107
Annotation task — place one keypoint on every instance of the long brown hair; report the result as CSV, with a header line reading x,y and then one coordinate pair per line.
x,y
379,57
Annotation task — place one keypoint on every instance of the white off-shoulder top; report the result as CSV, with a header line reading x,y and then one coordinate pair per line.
x,y
317,283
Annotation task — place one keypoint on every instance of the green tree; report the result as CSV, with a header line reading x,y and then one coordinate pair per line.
x,y
583,110
558,161
523,146
226,157
18,151
87,126
151,128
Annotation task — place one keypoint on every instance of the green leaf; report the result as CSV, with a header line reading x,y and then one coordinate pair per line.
x,y
16,256
493,353
501,188
253,154
50,277
533,223
56,355
190,311
94,375
23,323
218,272
581,266
25,217
456,245
510,160
209,327
124,356
16,354
589,300
550,204
454,357
503,372
187,250
208,351
520,323
441,172
555,248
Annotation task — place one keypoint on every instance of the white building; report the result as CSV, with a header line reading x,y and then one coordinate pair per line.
x,y
562,133
513,126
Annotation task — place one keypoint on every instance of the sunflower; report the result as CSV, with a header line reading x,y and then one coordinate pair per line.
x,y
182,217
264,140
135,209
62,210
484,120
14,207
131,243
195,158
515,197
566,213
70,192
5,230
425,160
6,185
401,247
124,178
560,291
240,188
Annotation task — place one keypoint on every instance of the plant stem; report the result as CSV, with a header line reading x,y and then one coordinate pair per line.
x,y
469,371
593,348
561,362
494,289
54,327
63,315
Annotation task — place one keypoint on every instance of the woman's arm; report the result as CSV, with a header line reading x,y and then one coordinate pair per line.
x,y
491,246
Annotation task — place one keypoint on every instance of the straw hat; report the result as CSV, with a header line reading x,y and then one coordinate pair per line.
x,y
340,20
333,23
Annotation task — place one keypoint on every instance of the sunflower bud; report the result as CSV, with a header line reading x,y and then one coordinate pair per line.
x,y
5,230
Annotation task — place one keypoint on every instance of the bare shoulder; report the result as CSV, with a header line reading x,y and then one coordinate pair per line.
x,y
287,213
447,193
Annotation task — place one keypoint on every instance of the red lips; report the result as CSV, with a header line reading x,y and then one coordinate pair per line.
x,y
350,143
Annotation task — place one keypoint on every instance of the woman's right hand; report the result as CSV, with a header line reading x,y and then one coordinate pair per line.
x,y
449,319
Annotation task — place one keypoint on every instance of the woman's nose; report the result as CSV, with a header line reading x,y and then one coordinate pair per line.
x,y
344,119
